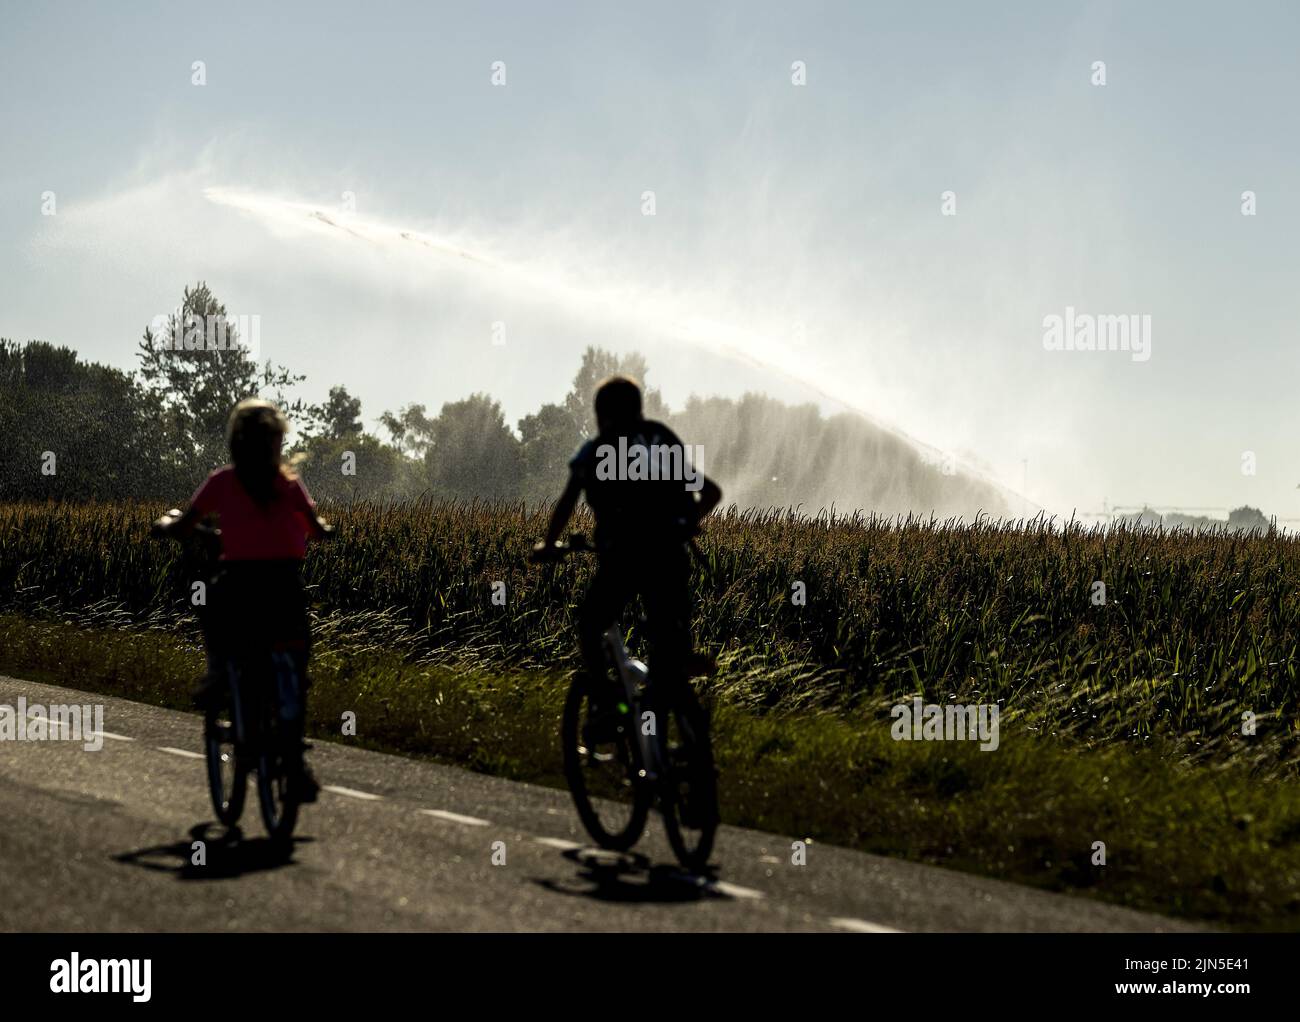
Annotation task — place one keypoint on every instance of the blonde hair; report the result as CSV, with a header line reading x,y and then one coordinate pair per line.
x,y
253,424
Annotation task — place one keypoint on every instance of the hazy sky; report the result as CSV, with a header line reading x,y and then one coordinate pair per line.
x,y
798,244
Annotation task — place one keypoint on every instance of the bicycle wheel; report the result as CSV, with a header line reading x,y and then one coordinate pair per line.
x,y
689,792
275,766
227,767
605,777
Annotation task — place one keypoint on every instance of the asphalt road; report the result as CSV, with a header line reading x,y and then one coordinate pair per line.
x,y
102,841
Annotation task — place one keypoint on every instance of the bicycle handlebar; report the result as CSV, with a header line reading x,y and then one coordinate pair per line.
x,y
577,543
199,529
204,531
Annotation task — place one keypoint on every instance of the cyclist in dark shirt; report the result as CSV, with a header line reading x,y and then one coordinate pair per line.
x,y
648,500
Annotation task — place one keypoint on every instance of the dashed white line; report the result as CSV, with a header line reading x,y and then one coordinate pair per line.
x,y
555,842
860,925
735,890
180,752
365,796
443,814
64,726
720,887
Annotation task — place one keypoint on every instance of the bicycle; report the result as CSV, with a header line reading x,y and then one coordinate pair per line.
x,y
616,776
243,732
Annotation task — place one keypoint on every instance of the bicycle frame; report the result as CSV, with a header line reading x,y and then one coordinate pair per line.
x,y
635,677
280,685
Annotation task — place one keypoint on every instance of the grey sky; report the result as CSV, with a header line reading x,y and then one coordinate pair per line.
x,y
800,225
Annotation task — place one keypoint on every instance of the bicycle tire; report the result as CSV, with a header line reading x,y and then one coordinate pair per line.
x,y
689,792
223,754
577,758
274,781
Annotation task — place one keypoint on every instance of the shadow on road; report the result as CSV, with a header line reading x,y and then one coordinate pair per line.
x,y
213,853
629,877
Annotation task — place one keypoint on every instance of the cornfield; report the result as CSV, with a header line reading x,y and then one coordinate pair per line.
x,y
1192,632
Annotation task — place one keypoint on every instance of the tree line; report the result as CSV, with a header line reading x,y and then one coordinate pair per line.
x,y
77,430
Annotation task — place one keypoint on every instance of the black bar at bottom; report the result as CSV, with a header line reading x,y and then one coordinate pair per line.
x,y
1214,971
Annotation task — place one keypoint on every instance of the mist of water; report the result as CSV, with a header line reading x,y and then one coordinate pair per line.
x,y
662,312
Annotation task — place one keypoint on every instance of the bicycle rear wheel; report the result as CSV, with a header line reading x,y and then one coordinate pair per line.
x,y
605,776
689,793
227,767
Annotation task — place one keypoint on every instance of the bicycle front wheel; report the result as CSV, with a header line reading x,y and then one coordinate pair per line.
x,y
227,768
602,763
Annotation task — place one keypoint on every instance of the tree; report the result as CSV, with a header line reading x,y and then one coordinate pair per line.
x,y
411,430
1248,519
340,416
548,439
79,431
195,364
597,364
472,452
356,467
341,462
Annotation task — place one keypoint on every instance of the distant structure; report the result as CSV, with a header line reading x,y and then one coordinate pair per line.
x,y
1242,519
1248,519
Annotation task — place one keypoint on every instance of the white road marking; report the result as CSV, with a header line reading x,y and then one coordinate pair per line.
x,y
555,842
365,796
64,725
736,891
443,814
720,887
861,926
180,752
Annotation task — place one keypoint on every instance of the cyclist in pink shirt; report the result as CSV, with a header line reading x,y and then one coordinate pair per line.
x,y
256,601
272,528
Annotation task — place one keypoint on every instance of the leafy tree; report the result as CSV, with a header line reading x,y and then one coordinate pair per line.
x,y
1248,519
196,365
338,418
597,364
472,452
548,439
79,431
356,467
341,462
411,430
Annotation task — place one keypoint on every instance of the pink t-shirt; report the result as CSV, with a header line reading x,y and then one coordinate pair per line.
x,y
249,531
